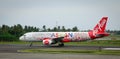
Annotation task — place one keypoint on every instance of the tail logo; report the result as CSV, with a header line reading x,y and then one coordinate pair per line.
x,y
100,27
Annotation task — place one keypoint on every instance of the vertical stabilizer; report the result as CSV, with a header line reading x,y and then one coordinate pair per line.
x,y
100,27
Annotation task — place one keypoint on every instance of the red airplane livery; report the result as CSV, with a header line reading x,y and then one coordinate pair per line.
x,y
50,38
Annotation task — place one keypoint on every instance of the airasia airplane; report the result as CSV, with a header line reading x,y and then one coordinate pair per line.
x,y
50,38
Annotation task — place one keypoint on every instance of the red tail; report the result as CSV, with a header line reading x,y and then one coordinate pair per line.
x,y
99,29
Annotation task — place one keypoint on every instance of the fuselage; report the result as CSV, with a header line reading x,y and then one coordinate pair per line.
x,y
68,36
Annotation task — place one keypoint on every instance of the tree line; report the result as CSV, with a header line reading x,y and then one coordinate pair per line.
x,y
59,29
12,33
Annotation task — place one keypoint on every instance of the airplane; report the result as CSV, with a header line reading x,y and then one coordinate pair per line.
x,y
50,38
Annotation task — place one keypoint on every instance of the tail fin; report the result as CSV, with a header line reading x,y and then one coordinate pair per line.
x,y
100,27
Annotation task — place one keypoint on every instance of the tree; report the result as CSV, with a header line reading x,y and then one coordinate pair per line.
x,y
68,29
54,29
44,28
63,29
48,29
0,29
35,29
7,37
58,29
5,28
75,29
17,30
25,29
6,34
12,33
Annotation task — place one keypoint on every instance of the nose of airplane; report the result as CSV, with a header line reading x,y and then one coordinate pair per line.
x,y
21,38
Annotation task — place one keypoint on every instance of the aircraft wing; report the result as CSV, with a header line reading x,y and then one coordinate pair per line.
x,y
56,40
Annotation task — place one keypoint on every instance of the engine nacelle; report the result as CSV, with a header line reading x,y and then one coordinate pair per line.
x,y
47,41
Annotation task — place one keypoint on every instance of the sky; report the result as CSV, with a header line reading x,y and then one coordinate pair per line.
x,y
84,14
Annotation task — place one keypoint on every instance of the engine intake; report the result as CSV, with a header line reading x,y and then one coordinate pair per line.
x,y
47,42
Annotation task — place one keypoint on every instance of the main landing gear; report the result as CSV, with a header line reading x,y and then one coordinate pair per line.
x,y
61,45
31,44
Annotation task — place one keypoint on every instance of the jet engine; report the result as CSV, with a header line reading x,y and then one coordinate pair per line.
x,y
47,41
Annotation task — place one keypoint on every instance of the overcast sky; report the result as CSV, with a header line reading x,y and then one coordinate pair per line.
x,y
69,13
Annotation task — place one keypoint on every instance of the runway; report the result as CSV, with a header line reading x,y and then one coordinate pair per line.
x,y
54,56
12,48
9,51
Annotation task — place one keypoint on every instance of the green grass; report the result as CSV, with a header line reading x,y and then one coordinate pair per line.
x,y
96,43
57,51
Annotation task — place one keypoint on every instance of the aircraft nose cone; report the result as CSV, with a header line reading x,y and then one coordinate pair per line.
x,y
21,38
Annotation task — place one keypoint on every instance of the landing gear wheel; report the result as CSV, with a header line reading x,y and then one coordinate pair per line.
x,y
30,44
61,45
